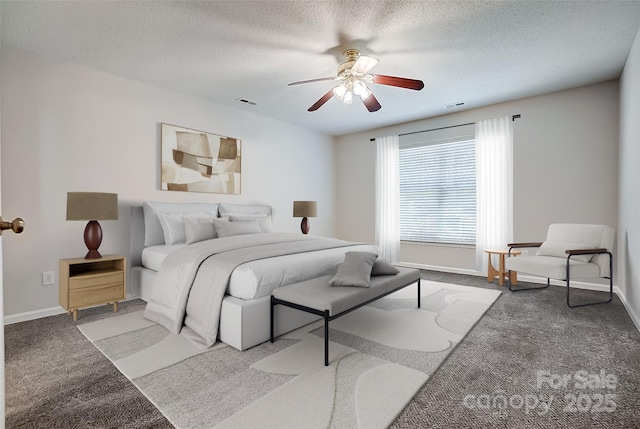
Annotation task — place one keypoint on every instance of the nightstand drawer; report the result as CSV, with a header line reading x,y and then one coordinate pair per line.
x,y
96,295
95,279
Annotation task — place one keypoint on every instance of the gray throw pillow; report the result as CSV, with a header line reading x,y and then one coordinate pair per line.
x,y
355,270
383,268
226,229
199,229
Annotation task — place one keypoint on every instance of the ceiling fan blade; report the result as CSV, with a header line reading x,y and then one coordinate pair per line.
x,y
398,81
371,103
318,104
312,80
364,64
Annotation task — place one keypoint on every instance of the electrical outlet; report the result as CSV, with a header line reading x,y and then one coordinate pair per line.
x,y
48,278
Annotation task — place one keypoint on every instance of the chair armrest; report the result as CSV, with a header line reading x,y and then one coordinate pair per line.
x,y
585,251
517,245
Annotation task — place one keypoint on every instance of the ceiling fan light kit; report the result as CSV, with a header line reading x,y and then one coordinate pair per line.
x,y
354,77
349,87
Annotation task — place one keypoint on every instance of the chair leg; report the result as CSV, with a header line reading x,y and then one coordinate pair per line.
x,y
591,303
520,289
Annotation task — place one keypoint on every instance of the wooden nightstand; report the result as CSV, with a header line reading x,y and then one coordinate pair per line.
x,y
87,282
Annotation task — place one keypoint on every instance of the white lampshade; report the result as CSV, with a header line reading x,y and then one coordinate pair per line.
x,y
340,90
359,88
366,93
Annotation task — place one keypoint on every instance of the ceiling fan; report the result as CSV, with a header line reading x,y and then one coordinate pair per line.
x,y
354,76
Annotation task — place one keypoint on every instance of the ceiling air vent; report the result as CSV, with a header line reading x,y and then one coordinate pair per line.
x,y
245,101
451,106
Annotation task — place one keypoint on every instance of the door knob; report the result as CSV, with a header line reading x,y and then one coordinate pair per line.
x,y
17,225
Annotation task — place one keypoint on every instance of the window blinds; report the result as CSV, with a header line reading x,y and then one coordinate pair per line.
x,y
438,193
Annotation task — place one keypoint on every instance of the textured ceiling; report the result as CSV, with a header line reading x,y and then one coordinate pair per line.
x,y
476,52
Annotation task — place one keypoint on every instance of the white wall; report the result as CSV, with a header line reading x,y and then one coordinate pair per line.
x,y
629,226
56,117
565,168
72,128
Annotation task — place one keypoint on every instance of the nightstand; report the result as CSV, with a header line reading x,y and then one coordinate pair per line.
x,y
88,282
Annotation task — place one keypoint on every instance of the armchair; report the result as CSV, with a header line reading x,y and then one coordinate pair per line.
x,y
570,251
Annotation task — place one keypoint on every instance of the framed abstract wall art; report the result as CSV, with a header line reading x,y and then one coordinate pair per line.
x,y
198,161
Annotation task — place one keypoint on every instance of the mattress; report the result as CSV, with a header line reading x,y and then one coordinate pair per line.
x,y
153,256
258,278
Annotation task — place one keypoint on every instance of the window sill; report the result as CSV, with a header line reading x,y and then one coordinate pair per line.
x,y
421,243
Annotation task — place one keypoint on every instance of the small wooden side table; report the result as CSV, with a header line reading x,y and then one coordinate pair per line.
x,y
88,282
500,273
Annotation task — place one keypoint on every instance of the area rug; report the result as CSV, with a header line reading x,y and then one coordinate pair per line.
x,y
380,356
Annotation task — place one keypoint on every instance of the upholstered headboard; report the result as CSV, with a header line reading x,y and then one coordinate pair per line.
x,y
137,235
147,231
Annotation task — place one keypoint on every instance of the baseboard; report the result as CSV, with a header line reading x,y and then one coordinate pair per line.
x,y
441,269
526,278
45,312
31,315
632,314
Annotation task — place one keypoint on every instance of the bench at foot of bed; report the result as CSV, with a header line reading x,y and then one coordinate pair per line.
x,y
317,296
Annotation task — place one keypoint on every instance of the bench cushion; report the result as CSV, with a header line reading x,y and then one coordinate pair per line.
x,y
320,295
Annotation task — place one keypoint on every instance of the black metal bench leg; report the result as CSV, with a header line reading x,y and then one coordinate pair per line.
x,y
271,316
326,338
325,314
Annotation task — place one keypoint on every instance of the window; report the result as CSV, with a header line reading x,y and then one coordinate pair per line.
x,y
438,192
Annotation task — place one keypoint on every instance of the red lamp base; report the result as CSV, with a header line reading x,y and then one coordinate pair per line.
x,y
93,239
304,226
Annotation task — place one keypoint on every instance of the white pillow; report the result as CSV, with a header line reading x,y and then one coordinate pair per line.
x,y
198,229
173,225
558,248
263,220
229,209
153,233
226,229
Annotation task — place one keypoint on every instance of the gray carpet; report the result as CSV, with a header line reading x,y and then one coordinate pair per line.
x,y
56,378
527,332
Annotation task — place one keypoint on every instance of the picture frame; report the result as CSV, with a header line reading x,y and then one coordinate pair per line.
x,y
200,161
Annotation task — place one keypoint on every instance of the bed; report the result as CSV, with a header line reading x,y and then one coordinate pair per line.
x,y
245,304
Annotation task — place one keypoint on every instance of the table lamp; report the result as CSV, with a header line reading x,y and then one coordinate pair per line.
x,y
92,206
305,209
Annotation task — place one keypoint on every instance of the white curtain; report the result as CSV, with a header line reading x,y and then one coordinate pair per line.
x,y
388,198
494,187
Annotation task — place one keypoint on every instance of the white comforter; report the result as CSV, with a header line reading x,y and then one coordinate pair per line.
x,y
191,282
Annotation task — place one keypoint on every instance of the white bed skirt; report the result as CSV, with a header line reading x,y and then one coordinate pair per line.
x,y
242,322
